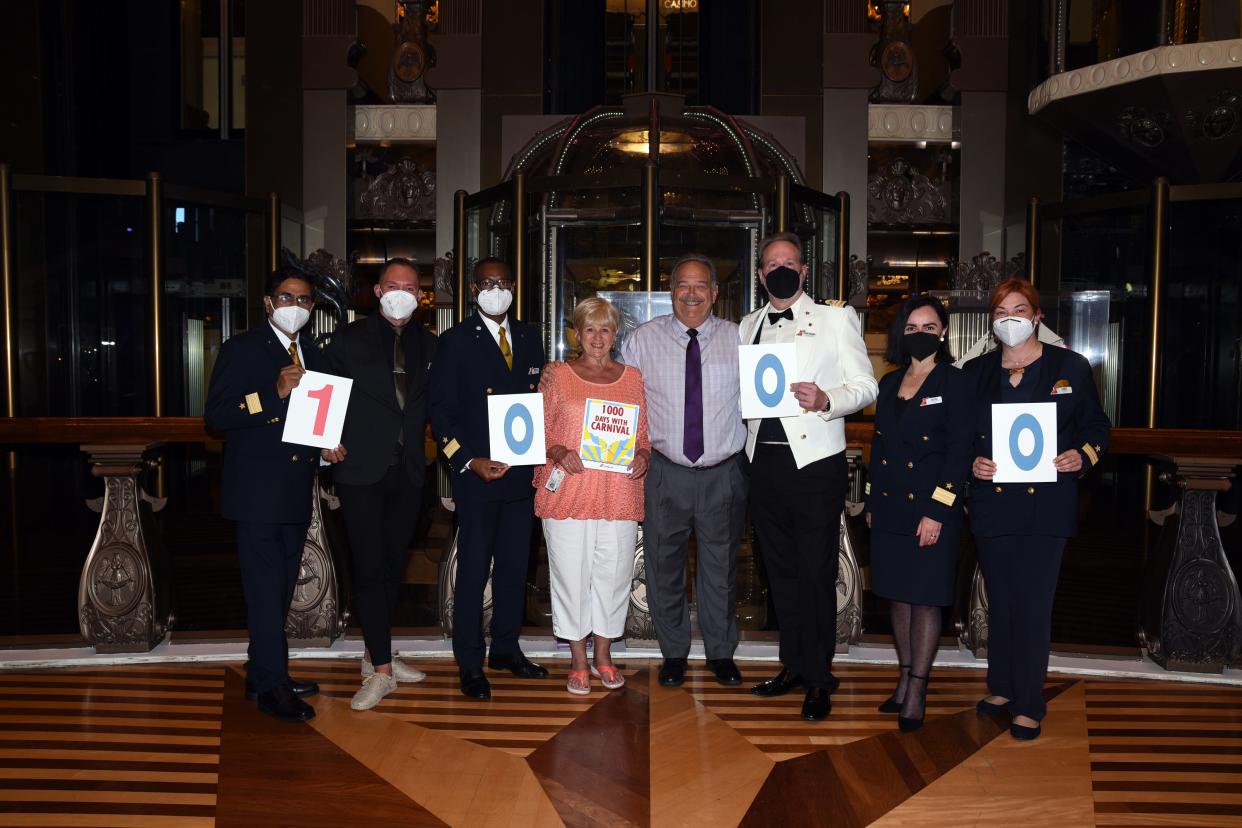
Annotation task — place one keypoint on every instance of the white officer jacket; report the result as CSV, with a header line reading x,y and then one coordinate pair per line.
x,y
831,354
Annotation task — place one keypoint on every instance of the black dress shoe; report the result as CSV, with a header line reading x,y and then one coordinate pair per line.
x,y
281,703
985,708
1023,733
725,670
818,704
519,665
673,672
778,685
301,689
475,685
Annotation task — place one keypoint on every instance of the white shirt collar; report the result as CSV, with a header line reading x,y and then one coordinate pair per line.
x,y
285,341
494,327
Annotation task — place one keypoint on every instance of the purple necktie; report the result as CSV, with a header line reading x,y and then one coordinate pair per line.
x,y
692,431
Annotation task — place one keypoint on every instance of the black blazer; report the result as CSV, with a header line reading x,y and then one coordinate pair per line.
x,y
265,480
467,369
362,351
1037,508
920,460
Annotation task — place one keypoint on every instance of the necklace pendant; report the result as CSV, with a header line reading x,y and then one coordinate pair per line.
x,y
1016,372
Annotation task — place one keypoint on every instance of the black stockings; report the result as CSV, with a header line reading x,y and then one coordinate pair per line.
x,y
916,634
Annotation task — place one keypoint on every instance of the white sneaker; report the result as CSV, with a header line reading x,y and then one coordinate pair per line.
x,y
401,671
372,691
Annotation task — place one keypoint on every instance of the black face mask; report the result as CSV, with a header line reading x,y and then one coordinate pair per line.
x,y
921,344
783,283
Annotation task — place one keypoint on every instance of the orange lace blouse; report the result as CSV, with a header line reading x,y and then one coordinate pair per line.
x,y
593,494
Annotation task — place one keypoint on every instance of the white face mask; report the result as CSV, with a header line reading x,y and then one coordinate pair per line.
x,y
398,304
290,319
495,301
1013,330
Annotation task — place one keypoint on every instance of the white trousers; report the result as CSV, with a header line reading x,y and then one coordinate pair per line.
x,y
591,566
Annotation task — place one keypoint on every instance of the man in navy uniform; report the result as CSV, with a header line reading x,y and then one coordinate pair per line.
x,y
381,462
489,352
267,484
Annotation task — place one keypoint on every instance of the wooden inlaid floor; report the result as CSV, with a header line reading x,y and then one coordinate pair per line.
x,y
177,745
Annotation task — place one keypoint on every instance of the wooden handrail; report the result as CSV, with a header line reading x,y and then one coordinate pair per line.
x,y
129,430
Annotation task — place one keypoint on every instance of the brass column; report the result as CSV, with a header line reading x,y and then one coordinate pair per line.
x,y
651,212
1159,231
6,275
155,269
273,232
843,246
1032,241
782,203
459,254
519,244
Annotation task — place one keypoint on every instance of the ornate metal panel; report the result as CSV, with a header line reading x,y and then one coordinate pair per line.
x,y
900,194
448,584
972,628
638,623
1192,608
123,602
849,592
317,616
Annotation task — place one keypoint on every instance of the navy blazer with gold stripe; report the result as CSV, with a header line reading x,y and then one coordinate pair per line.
x,y
1037,508
265,480
920,459
469,368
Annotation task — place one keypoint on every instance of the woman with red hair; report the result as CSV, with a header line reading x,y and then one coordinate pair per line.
x,y
1021,528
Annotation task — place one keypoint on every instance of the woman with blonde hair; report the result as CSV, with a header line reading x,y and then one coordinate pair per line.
x,y
590,492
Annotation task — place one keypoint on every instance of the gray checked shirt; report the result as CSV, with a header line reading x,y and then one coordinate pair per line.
x,y
658,349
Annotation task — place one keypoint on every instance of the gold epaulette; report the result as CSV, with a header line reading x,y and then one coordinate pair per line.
x,y
832,303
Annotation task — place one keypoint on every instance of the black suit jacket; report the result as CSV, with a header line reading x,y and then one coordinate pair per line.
x,y
362,351
920,460
468,368
1037,508
265,480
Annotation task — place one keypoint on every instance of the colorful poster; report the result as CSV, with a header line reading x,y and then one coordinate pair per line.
x,y
609,435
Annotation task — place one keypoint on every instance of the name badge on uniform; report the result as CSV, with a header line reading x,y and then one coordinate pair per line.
x,y
532,371
931,401
1062,389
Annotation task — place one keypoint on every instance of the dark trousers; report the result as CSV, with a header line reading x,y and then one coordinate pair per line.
x,y
1020,572
380,518
269,555
495,533
797,517
711,502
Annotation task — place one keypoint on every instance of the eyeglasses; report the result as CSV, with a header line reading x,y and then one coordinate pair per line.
x,y
488,284
302,300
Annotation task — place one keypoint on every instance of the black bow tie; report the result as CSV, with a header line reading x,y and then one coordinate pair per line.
x,y
774,317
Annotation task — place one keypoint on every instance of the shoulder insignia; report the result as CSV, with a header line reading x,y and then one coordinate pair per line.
x,y
832,303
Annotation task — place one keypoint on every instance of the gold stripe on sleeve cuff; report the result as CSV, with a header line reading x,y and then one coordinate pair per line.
x,y
252,403
1089,450
450,448
944,496
868,487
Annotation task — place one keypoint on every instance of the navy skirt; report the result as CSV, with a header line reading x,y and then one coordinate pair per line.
x,y
901,571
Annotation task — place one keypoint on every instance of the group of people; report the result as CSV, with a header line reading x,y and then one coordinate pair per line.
x,y
693,466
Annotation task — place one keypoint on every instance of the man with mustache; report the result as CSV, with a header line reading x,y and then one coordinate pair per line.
x,y
696,481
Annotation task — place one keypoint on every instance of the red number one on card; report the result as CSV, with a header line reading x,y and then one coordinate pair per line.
x,y
324,396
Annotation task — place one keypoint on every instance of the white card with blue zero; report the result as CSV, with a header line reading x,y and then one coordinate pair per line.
x,y
1024,442
515,429
766,372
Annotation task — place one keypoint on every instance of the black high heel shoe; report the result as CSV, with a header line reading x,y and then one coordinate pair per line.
x,y
906,725
891,705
